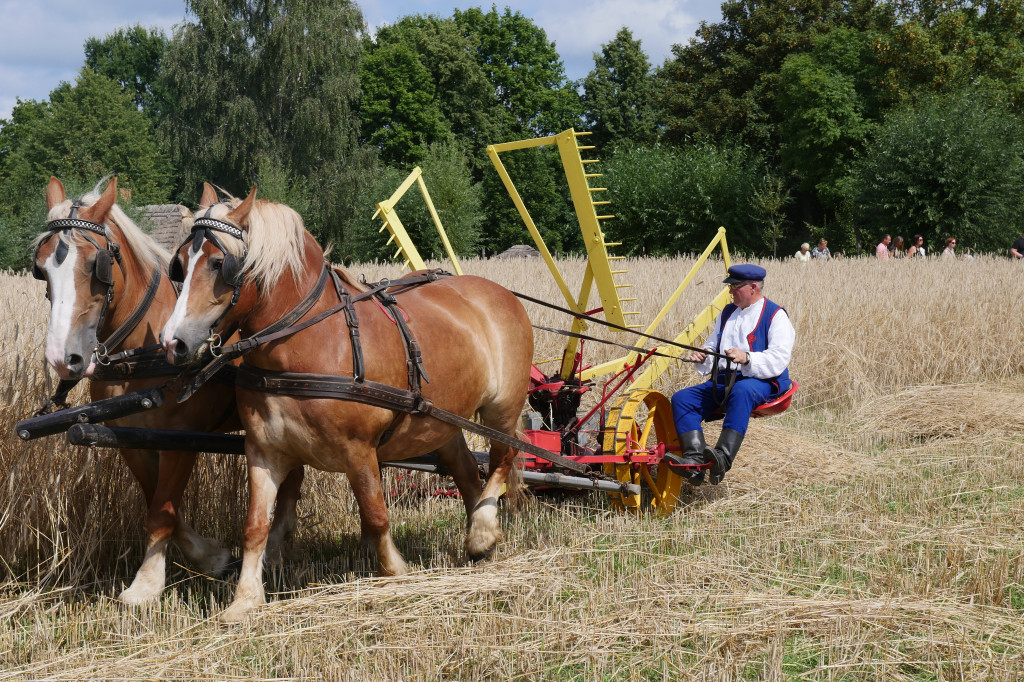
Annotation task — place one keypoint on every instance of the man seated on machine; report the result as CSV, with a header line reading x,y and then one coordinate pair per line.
x,y
759,338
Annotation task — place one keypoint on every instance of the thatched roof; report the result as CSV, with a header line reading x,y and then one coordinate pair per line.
x,y
519,251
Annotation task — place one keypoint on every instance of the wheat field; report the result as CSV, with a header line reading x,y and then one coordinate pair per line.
x,y
874,531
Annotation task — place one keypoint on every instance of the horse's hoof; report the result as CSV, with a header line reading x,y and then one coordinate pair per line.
x,y
139,596
236,613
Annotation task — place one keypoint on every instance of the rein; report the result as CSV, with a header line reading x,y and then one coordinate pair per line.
x,y
731,369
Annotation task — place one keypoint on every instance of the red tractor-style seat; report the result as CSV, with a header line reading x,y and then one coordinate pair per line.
x,y
774,406
778,405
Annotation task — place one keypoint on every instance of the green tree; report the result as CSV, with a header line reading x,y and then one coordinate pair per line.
x,y
535,98
670,200
825,100
85,131
249,80
524,69
952,165
132,57
944,46
618,94
453,98
399,106
725,81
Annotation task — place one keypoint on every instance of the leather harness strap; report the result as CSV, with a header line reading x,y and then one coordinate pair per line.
x,y
331,386
229,353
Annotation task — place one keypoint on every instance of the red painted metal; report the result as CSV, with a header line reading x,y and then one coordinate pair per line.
x,y
777,406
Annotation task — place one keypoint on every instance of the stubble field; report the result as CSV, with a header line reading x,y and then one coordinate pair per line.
x,y
874,531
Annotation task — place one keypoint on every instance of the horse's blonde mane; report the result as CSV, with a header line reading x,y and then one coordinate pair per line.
x,y
274,241
145,250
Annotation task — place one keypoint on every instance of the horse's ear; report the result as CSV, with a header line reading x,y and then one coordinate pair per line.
x,y
98,211
209,197
54,193
240,215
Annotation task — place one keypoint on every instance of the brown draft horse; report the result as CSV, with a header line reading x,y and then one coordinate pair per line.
x,y
477,348
77,287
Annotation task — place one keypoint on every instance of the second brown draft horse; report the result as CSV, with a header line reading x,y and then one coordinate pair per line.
x,y
248,266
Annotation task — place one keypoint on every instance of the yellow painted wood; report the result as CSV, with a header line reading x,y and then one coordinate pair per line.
x,y
622,429
400,236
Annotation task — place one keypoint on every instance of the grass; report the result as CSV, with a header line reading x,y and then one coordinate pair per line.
x,y
872,532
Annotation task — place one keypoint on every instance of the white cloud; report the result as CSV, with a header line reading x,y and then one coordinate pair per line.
x,y
580,31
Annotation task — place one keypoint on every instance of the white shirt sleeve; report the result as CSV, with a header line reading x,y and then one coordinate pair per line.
x,y
770,363
767,364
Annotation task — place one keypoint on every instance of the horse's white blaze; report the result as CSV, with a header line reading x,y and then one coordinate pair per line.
x,y
178,314
63,299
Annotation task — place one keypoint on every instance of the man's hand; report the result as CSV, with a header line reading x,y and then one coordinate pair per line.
x,y
697,356
737,355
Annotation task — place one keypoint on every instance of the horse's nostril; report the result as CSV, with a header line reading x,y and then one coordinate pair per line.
x,y
180,352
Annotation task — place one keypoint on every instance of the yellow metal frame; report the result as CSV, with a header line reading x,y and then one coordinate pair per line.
x,y
399,235
599,269
690,336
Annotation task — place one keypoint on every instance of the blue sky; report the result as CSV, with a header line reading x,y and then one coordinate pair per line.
x,y
41,41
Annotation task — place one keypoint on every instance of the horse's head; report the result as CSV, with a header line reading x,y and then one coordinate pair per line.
x,y
211,266
80,262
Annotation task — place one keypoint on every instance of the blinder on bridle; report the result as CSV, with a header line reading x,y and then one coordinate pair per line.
x,y
205,228
103,267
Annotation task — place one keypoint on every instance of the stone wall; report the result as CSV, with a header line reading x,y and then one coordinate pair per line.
x,y
169,223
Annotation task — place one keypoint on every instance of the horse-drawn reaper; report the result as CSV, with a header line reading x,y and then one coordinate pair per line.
x,y
347,376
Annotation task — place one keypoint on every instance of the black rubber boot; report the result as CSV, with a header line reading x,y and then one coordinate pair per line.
x,y
693,453
722,455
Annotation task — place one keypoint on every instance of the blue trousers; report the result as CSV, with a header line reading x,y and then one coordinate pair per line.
x,y
695,404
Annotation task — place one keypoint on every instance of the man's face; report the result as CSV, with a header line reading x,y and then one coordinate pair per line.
x,y
745,293
887,240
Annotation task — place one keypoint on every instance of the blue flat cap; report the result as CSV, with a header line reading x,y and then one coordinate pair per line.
x,y
745,273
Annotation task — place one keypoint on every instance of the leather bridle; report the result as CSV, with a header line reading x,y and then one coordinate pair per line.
x,y
205,228
103,273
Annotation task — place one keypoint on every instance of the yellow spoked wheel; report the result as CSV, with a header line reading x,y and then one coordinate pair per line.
x,y
636,424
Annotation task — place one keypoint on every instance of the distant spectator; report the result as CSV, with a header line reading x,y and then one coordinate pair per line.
x,y
949,253
804,254
1017,250
882,250
916,249
898,248
821,252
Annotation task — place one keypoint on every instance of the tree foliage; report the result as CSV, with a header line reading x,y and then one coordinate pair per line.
x,y
943,46
132,56
618,94
277,79
524,69
952,165
422,82
86,131
724,82
672,200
